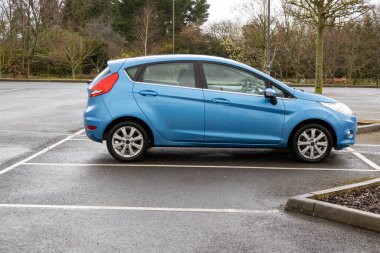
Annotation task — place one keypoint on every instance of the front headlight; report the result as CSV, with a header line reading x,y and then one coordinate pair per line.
x,y
339,107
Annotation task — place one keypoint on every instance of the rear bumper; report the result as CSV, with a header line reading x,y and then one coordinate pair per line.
x,y
96,114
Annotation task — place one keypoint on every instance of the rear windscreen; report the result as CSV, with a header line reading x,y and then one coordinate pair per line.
x,y
101,75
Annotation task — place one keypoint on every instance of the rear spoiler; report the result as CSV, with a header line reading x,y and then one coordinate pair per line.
x,y
115,65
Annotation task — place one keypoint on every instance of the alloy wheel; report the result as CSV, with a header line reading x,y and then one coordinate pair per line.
x,y
312,143
128,141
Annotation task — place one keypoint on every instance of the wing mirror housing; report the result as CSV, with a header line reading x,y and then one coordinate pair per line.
x,y
271,94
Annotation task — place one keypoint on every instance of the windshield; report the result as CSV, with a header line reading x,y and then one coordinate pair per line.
x,y
101,75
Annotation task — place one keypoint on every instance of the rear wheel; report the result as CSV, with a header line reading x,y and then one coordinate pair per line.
x,y
312,143
127,141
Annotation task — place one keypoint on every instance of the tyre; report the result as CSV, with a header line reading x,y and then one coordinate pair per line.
x,y
127,141
312,143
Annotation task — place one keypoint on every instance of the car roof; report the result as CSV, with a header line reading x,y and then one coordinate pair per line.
x,y
177,57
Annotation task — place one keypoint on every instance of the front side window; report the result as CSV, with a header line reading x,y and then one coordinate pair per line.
x,y
225,78
177,74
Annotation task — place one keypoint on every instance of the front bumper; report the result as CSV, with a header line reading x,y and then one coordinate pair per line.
x,y
346,128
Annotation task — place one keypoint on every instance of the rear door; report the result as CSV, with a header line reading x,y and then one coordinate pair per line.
x,y
169,96
236,111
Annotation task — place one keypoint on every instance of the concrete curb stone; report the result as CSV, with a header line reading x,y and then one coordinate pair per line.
x,y
310,205
368,128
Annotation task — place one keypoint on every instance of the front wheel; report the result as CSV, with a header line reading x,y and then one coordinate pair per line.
x,y
127,141
312,143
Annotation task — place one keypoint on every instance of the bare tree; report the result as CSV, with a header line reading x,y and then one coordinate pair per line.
x,y
69,48
230,36
145,25
255,32
51,12
294,39
322,14
224,29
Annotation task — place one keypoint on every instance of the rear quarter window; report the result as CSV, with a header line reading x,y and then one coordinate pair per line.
x,y
132,73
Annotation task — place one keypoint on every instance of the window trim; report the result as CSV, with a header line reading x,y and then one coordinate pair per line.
x,y
197,80
267,81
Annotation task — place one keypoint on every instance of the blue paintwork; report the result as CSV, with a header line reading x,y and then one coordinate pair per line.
x,y
176,113
179,116
243,120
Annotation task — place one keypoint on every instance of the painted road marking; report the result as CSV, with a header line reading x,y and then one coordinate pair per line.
x,y
372,94
186,166
364,159
364,152
3,91
40,152
132,208
35,132
367,112
367,145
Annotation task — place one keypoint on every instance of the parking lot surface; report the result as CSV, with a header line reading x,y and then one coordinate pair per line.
x,y
365,102
61,192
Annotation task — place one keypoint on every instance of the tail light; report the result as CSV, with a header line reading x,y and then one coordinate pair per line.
x,y
104,86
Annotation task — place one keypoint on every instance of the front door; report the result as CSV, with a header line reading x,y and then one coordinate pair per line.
x,y
236,111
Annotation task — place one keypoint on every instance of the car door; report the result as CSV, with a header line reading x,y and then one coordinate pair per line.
x,y
167,94
236,111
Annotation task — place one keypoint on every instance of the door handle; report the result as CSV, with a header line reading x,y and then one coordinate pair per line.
x,y
148,93
221,101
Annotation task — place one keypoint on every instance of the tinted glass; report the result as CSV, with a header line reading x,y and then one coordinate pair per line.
x,y
132,72
225,78
178,74
100,76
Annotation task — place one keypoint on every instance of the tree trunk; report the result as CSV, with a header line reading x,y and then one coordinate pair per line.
x,y
73,72
28,68
146,35
319,60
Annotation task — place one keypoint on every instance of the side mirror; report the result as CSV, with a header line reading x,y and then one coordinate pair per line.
x,y
89,82
271,94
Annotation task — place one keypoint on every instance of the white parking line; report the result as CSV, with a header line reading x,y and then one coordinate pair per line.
x,y
376,95
34,132
39,153
3,91
367,112
364,106
131,208
364,159
361,152
185,166
366,145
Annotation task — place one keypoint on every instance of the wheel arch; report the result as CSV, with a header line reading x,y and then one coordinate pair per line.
x,y
313,121
130,119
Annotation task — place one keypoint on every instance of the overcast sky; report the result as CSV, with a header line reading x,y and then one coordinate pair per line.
x,y
228,9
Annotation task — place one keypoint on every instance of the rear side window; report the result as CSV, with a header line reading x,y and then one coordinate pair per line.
x,y
177,74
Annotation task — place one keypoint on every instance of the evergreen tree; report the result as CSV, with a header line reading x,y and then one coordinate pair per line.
x,y
187,13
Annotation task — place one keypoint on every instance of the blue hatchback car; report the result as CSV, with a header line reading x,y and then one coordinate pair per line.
x,y
203,101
